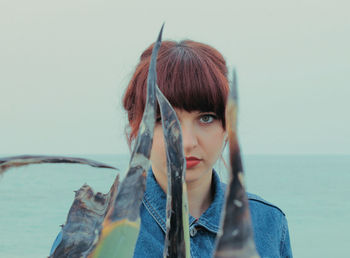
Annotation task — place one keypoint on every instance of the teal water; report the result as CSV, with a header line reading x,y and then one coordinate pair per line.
x,y
312,190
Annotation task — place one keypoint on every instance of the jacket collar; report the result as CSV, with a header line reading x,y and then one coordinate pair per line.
x,y
155,202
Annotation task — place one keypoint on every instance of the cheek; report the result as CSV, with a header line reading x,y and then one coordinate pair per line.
x,y
216,144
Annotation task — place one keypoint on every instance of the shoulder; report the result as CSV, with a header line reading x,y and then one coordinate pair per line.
x,y
260,203
266,215
267,219
263,212
270,228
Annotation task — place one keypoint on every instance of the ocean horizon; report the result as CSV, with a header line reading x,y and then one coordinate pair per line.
x,y
311,190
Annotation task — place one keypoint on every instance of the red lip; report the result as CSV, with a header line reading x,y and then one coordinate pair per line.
x,y
192,162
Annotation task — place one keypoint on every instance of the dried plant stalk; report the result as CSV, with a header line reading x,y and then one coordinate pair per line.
x,y
235,239
177,239
84,221
121,225
24,160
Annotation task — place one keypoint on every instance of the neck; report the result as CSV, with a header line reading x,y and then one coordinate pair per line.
x,y
199,193
199,196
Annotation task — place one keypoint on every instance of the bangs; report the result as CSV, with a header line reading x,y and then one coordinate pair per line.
x,y
191,75
191,79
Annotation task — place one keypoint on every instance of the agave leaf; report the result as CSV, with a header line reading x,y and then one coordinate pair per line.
x,y
122,222
236,235
23,160
84,219
177,242
87,211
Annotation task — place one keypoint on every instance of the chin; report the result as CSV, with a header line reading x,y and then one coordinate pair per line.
x,y
192,175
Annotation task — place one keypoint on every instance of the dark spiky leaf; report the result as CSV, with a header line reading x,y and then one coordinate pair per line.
x,y
122,222
235,239
177,243
23,160
84,221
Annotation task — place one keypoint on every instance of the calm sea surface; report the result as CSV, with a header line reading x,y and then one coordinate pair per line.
x,y
313,191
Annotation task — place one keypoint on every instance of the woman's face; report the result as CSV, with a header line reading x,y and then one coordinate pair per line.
x,y
203,139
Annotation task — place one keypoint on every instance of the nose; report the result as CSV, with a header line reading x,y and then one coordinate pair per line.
x,y
189,137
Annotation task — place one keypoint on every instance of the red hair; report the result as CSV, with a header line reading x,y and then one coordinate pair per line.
x,y
191,75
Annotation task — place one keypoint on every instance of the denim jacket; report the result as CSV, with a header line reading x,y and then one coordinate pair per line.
x,y
269,225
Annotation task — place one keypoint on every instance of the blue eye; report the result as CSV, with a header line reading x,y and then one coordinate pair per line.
x,y
207,118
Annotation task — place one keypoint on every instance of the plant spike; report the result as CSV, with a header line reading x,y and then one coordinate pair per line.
x,y
177,239
85,216
235,238
24,160
87,211
122,223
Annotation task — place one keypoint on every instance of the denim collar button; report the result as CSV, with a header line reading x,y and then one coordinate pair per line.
x,y
193,231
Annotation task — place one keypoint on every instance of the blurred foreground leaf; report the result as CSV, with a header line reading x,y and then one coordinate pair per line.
x,y
177,239
24,160
235,238
122,223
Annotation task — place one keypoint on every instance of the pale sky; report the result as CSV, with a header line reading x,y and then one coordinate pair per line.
x,y
64,66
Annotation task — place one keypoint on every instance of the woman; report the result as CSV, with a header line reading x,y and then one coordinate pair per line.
x,y
193,77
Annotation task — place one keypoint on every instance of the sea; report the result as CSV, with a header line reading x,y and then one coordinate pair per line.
x,y
313,191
